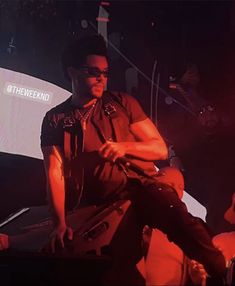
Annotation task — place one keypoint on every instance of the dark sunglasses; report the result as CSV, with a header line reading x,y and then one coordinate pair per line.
x,y
94,71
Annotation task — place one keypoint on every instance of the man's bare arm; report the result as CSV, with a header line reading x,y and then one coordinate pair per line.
x,y
150,145
55,182
53,163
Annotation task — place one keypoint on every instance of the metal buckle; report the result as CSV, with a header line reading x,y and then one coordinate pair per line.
x,y
109,109
69,122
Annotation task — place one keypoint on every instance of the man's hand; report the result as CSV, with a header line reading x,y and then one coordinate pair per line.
x,y
111,151
4,241
197,273
57,237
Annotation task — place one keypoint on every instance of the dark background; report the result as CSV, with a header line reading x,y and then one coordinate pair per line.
x,y
173,33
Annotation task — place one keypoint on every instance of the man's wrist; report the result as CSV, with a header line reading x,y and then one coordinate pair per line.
x,y
58,222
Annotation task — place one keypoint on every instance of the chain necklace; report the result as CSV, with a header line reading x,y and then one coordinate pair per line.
x,y
83,118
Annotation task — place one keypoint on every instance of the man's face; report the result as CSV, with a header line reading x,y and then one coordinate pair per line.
x,y
90,80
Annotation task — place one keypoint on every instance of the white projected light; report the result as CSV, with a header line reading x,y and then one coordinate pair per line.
x,y
24,100
194,207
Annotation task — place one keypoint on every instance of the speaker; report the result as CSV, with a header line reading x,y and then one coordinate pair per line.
x,y
29,229
85,260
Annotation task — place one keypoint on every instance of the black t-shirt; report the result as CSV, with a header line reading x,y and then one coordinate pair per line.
x,y
101,178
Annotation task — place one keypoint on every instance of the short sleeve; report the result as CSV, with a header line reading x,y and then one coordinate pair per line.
x,y
133,108
51,134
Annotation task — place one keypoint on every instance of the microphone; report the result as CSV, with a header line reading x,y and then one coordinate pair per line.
x,y
134,167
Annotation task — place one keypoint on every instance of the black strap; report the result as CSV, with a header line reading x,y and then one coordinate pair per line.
x,y
73,144
112,106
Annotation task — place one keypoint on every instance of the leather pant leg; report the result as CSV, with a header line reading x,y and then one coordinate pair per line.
x,y
159,207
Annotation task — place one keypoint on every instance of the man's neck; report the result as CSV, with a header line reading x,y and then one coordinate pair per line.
x,y
82,102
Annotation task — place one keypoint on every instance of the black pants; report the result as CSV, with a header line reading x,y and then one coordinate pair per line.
x,y
158,206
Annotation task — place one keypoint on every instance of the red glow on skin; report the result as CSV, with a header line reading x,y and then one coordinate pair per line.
x,y
87,88
225,242
163,261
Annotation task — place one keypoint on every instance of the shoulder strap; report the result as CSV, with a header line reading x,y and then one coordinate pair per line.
x,y
69,141
113,98
73,144
112,106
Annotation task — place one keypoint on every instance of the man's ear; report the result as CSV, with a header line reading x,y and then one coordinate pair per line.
x,y
72,72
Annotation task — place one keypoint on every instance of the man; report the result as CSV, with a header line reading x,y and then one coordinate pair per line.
x,y
99,142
